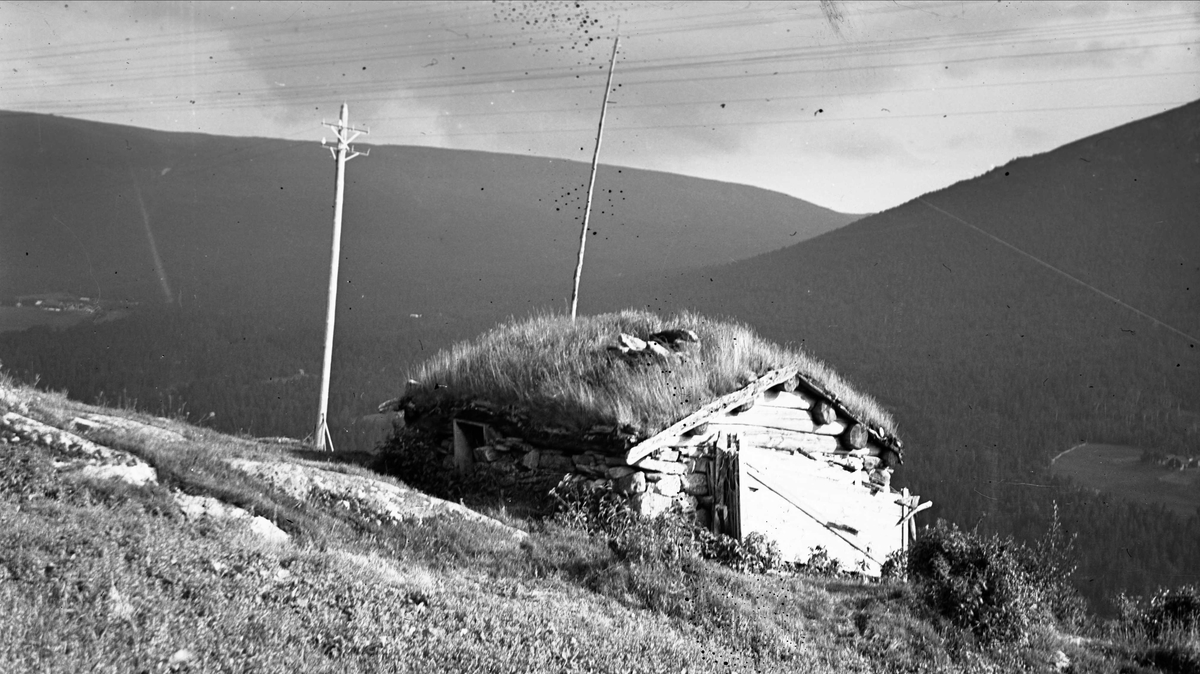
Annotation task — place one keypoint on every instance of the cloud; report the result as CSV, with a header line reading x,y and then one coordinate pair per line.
x,y
864,145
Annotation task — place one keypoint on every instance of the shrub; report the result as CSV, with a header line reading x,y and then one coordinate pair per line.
x,y
1167,615
756,554
600,511
821,564
1050,564
1173,611
596,510
1165,628
998,589
980,584
893,568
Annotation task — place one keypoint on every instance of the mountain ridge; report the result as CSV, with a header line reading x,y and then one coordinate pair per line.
x,y
251,213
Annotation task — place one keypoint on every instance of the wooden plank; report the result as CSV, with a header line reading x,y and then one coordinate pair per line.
x,y
742,424
731,424
724,479
782,439
799,401
767,414
669,467
722,404
870,450
685,440
836,428
464,455
912,513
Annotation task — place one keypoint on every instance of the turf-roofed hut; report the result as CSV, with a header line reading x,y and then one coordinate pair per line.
x,y
685,415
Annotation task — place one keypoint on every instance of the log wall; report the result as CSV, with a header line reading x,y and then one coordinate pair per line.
x,y
693,469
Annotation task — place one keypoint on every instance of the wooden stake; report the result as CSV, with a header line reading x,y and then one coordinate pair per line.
x,y
587,211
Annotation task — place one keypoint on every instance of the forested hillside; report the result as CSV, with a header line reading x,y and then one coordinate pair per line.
x,y
246,223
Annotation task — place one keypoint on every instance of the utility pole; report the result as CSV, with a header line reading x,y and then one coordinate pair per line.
x,y
342,153
587,211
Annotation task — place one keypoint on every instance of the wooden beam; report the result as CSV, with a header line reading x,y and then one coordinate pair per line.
x,y
668,467
856,436
780,439
799,401
722,404
738,425
912,513
823,413
765,415
820,393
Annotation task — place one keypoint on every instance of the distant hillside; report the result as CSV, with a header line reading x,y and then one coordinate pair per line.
x,y
992,361
117,211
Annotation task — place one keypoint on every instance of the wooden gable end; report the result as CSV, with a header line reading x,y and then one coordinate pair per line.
x,y
775,412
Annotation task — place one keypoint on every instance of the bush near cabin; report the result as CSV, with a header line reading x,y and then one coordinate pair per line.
x,y
998,589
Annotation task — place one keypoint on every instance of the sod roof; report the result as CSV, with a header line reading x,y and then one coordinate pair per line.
x,y
562,374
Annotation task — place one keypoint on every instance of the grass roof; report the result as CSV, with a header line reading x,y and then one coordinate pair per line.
x,y
561,373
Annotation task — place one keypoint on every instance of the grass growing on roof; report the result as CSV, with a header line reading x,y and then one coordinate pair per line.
x,y
561,373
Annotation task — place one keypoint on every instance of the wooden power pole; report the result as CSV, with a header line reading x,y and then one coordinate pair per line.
x,y
342,153
587,211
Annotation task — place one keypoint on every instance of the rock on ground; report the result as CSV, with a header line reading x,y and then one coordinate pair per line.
x,y
383,500
206,507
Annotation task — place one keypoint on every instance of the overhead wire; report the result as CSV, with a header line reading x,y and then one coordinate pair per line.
x,y
1063,273
300,93
441,81
1125,28
517,81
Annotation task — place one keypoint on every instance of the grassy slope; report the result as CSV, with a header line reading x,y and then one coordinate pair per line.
x,y
103,577
561,373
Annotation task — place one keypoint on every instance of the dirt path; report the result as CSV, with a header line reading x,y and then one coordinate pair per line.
x,y
1067,451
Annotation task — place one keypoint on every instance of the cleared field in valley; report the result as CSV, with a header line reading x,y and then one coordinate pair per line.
x,y
22,318
1116,470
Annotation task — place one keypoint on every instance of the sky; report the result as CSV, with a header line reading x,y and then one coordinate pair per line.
x,y
855,106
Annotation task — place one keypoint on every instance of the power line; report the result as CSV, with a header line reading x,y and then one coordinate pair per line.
x,y
1056,270
120,103
1150,25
